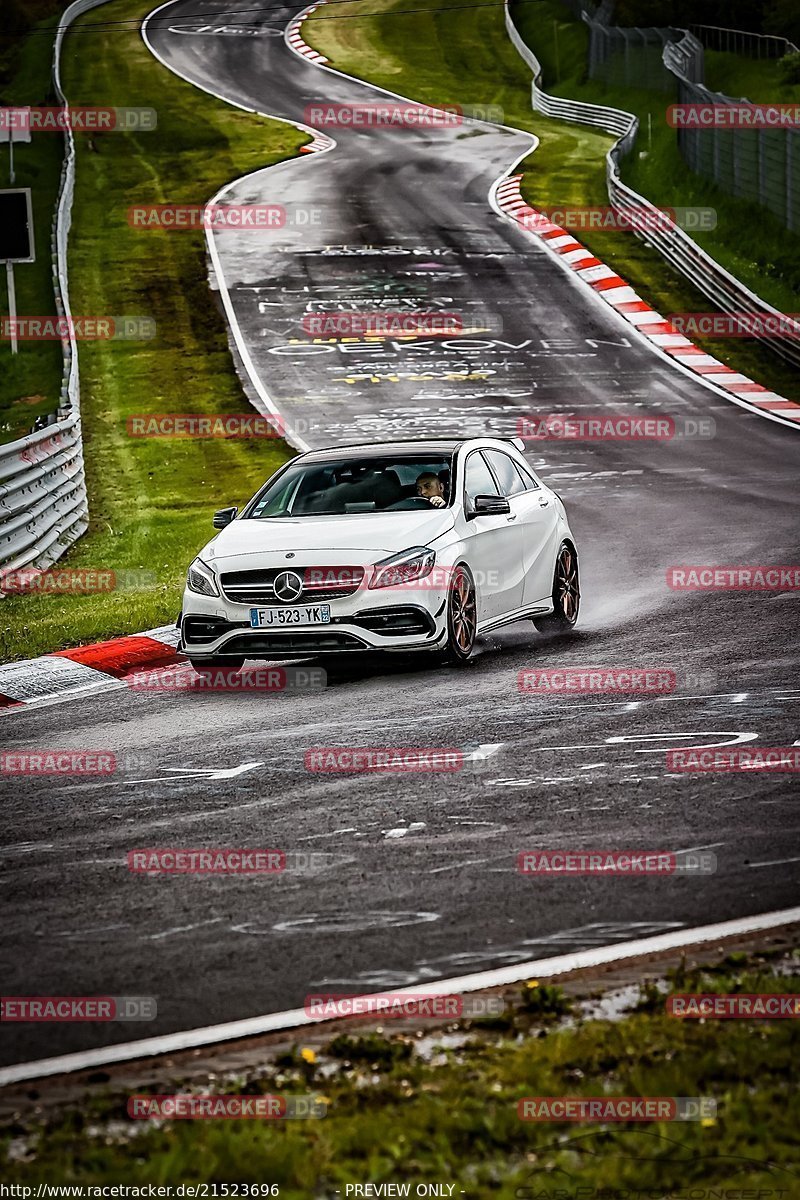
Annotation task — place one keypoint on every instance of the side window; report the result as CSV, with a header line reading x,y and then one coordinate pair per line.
x,y
510,481
478,479
525,476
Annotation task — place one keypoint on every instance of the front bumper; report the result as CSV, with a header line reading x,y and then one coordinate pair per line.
x,y
368,621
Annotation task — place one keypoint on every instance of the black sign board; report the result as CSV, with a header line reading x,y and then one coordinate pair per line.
x,y
16,226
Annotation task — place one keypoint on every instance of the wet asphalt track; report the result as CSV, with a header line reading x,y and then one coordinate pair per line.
x,y
416,876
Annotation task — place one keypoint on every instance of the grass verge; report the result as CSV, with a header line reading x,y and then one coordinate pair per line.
x,y
417,1107
748,241
150,500
466,57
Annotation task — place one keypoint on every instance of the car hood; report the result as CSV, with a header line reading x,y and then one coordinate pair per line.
x,y
367,535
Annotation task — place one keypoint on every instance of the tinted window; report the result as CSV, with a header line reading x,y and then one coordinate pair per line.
x,y
478,480
525,476
510,480
338,488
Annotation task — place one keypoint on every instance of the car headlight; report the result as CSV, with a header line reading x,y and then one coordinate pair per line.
x,y
201,579
404,567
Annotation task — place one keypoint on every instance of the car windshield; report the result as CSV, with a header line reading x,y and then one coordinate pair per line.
x,y
357,485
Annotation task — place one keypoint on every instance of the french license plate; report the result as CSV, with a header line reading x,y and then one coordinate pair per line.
x,y
304,614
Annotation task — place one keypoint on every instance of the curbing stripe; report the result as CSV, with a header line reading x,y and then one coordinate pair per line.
x,y
613,290
85,667
561,964
121,656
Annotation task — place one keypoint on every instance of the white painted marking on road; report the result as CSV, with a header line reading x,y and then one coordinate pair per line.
x,y
179,774
737,739
560,964
775,862
470,862
739,698
157,937
313,837
692,849
402,830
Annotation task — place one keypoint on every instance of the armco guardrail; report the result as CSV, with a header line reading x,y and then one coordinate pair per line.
x,y
42,496
722,288
739,41
43,504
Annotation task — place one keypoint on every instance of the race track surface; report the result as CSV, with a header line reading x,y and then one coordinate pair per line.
x,y
415,876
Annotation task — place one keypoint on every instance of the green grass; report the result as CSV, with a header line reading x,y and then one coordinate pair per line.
x,y
30,381
748,78
403,1111
465,57
749,241
150,500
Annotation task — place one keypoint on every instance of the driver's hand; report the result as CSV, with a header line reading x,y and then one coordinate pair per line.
x,y
437,501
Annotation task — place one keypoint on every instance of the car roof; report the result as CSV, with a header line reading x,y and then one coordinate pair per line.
x,y
425,446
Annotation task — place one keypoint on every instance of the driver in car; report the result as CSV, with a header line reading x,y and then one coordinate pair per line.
x,y
431,488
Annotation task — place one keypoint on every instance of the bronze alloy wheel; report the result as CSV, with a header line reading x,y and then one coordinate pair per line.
x,y
566,594
462,617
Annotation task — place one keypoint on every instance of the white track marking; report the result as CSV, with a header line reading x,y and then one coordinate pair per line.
x,y
691,849
775,862
402,830
156,937
172,1043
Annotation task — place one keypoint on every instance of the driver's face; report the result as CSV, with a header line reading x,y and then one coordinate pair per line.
x,y
429,485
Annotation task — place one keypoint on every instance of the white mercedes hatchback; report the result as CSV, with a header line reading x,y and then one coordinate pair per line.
x,y
395,546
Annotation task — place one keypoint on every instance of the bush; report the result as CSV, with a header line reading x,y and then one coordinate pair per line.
x,y
789,68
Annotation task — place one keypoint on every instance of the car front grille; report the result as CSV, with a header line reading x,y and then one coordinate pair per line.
x,y
317,583
286,644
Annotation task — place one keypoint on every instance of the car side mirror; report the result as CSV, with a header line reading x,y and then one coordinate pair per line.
x,y
223,517
490,506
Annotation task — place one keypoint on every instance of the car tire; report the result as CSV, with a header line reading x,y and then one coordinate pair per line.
x,y
203,666
462,618
566,593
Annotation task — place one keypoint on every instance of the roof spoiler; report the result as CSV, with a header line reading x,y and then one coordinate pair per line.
x,y
517,442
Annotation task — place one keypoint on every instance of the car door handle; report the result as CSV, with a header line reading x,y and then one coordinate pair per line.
x,y
513,517
543,503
